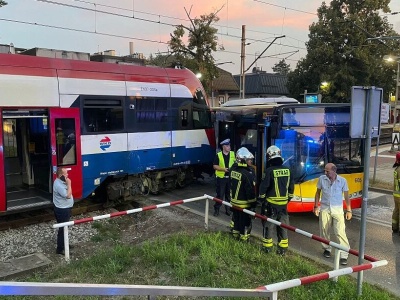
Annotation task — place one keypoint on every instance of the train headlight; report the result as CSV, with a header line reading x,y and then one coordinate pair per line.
x,y
97,181
321,163
302,164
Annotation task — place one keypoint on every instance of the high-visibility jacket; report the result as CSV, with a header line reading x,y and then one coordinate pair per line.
x,y
221,163
396,182
277,186
242,186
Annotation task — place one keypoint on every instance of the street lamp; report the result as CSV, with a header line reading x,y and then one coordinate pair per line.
x,y
390,58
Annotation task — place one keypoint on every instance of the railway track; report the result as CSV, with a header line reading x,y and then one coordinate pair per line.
x,y
26,218
384,139
22,219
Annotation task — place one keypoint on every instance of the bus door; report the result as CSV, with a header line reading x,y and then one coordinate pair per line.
x,y
2,181
65,136
226,130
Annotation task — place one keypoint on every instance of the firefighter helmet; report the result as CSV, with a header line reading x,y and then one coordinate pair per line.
x,y
243,154
273,152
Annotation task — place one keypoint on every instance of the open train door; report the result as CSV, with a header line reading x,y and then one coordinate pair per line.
x,y
2,170
65,136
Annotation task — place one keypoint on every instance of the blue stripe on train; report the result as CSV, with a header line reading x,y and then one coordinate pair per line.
x,y
100,166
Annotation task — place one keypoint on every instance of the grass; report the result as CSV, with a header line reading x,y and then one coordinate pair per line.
x,y
201,259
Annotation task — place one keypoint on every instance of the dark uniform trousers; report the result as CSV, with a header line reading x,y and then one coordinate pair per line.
x,y
278,213
242,225
223,189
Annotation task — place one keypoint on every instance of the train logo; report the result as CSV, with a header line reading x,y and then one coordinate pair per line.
x,y
105,143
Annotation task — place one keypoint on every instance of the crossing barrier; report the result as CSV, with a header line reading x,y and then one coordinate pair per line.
x,y
270,290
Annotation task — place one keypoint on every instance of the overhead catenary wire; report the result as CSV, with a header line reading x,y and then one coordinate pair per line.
x,y
152,21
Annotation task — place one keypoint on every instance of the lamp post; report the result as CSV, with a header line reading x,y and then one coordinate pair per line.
x,y
390,58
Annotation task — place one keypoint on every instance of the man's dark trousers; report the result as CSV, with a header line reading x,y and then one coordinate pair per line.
x,y
223,189
62,215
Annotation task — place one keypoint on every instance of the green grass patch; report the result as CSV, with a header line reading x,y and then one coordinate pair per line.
x,y
203,259
108,230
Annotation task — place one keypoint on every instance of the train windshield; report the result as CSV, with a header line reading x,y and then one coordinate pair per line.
x,y
312,136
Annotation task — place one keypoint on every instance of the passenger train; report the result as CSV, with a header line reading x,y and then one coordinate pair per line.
x,y
119,129
309,135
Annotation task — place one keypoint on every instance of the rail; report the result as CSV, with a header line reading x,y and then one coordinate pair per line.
x,y
270,290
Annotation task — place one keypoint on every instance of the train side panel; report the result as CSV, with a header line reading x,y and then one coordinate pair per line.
x,y
37,91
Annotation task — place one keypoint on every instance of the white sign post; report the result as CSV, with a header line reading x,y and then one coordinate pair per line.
x,y
365,113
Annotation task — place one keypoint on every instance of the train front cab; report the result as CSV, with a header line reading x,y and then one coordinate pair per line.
x,y
31,148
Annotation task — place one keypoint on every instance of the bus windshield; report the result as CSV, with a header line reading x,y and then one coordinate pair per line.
x,y
311,136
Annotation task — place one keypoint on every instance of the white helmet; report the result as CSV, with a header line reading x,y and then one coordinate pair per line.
x,y
273,152
243,154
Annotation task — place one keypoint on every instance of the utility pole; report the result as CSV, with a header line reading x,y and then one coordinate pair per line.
x,y
242,62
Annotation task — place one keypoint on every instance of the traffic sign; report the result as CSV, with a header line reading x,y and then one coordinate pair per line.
x,y
366,103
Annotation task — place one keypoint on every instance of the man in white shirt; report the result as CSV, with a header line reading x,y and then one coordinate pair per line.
x,y
331,216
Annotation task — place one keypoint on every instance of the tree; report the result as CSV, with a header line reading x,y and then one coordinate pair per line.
x,y
2,3
281,67
201,43
339,53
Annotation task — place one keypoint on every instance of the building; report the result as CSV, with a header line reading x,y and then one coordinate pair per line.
x,y
260,84
222,88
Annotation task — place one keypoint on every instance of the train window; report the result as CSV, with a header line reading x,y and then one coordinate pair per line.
x,y
11,142
184,117
199,98
201,117
151,110
66,142
103,115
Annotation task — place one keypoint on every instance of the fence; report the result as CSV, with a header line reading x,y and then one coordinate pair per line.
x,y
270,291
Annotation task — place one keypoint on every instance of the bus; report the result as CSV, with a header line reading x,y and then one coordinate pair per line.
x,y
309,136
121,130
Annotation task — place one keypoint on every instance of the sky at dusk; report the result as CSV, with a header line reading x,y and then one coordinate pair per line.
x,y
98,25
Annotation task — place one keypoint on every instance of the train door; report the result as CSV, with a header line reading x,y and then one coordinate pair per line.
x,y
26,159
2,181
65,137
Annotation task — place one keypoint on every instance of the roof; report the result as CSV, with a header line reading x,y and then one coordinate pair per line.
x,y
261,83
259,101
225,82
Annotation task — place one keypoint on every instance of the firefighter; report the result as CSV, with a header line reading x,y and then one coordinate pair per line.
x,y
222,162
242,194
276,190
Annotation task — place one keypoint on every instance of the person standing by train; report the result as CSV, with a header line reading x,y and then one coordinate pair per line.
x,y
396,195
222,162
63,202
243,193
331,217
276,190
